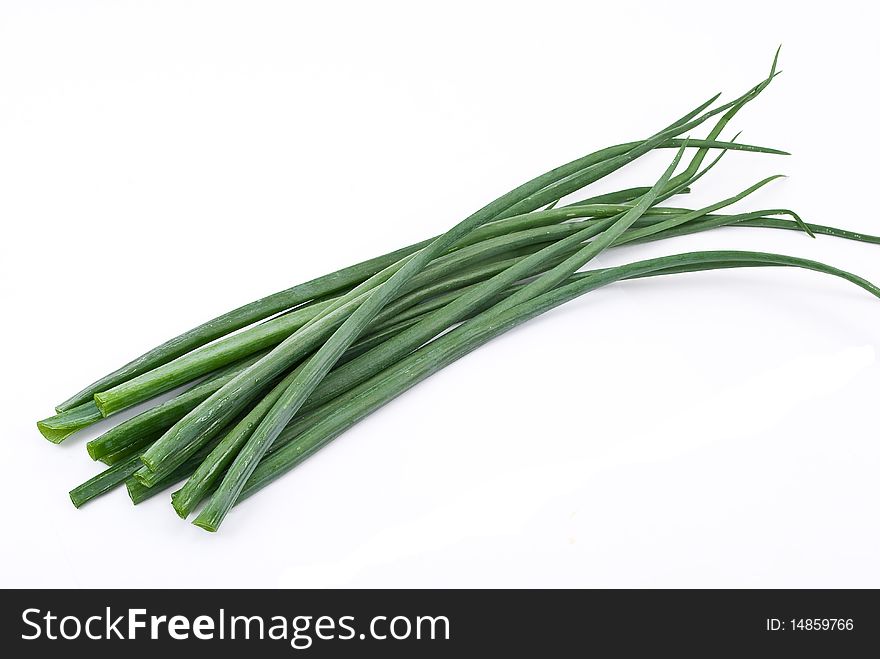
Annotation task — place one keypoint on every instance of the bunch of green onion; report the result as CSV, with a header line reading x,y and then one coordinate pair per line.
x,y
275,380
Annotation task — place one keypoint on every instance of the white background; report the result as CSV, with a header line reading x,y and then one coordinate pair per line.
x,y
163,162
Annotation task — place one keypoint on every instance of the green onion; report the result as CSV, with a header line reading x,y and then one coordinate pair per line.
x,y
59,427
147,426
105,481
275,380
